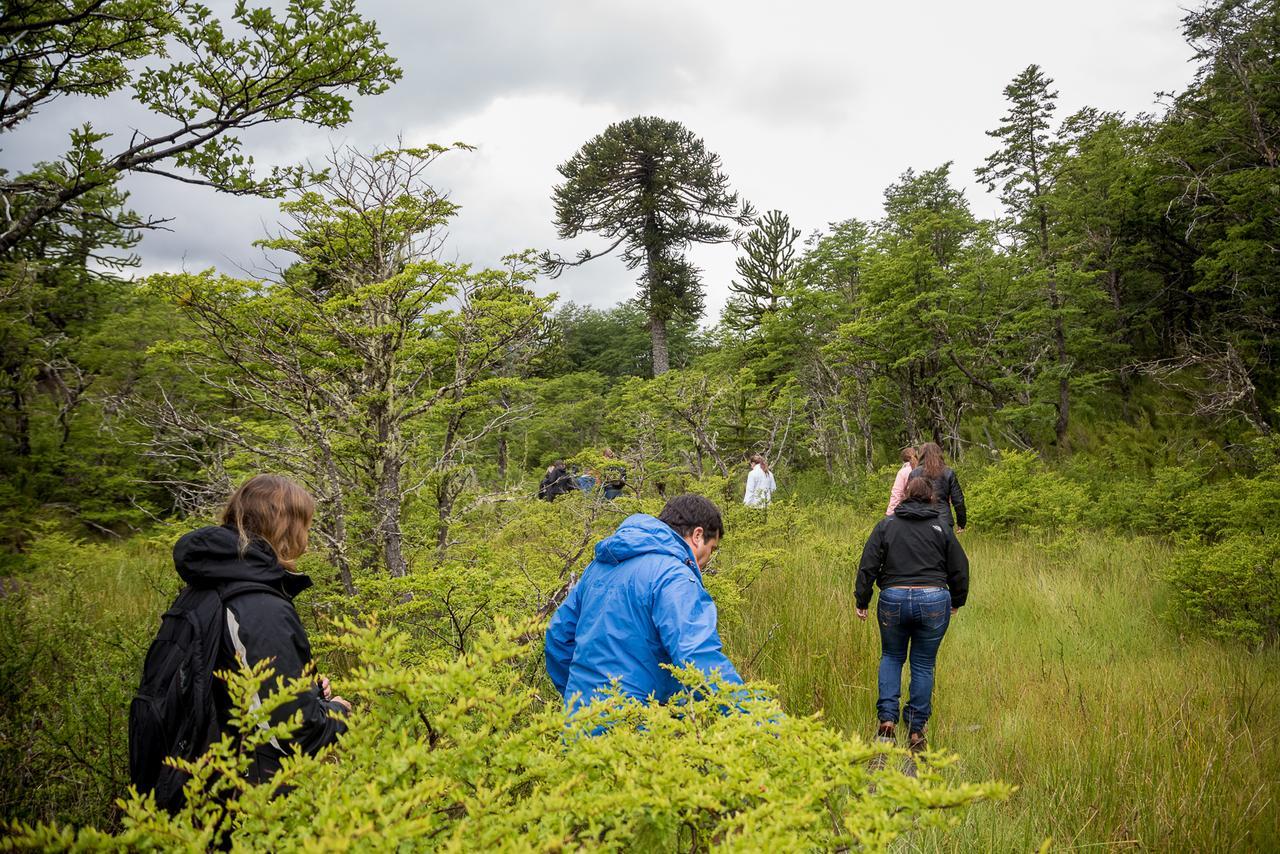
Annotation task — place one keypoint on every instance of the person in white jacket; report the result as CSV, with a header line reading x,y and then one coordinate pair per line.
x,y
760,483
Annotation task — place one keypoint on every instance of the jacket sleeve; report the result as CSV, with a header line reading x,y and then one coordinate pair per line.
x,y
266,627
957,499
560,639
869,568
685,617
957,571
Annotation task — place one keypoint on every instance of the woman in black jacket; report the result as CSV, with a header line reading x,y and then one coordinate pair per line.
x,y
250,560
946,489
923,575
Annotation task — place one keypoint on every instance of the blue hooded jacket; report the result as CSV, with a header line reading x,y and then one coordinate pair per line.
x,y
639,605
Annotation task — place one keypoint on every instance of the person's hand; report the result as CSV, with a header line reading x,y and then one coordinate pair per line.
x,y
953,611
862,614
346,704
959,530
325,690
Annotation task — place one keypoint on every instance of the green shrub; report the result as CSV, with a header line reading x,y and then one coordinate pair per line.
x,y
1231,588
462,754
73,632
1020,493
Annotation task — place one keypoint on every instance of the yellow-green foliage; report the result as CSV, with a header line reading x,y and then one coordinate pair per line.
x,y
461,754
1020,493
1230,588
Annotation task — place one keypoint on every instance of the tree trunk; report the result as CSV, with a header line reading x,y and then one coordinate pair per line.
x,y
446,495
1064,384
658,336
1063,405
657,322
337,513
448,490
909,409
387,506
502,440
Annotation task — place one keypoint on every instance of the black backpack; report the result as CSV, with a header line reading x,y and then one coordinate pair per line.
x,y
615,476
173,713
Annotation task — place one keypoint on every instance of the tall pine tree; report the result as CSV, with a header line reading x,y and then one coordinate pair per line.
x,y
1021,169
766,266
651,187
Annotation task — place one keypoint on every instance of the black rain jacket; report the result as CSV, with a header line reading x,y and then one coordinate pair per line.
x,y
558,482
946,494
913,547
260,623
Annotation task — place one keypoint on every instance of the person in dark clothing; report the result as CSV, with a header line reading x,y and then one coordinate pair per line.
x,y
250,560
557,482
946,489
614,475
923,575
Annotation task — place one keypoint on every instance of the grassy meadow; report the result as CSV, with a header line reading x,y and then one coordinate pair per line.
x,y
1060,676
1063,676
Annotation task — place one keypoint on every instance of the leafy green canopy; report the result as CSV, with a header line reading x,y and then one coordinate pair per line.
x,y
765,270
370,361
203,81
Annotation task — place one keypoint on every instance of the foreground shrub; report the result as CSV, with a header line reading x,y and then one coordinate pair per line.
x,y
460,754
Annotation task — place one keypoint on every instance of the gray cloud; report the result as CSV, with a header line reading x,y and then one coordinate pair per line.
x,y
814,107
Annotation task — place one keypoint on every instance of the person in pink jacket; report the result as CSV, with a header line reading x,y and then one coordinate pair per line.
x,y
909,461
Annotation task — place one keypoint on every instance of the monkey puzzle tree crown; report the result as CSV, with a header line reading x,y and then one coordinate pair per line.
x,y
651,187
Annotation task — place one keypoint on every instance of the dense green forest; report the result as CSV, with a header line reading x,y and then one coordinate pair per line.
x,y
1099,362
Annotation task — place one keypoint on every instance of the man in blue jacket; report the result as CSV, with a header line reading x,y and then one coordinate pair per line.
x,y
639,605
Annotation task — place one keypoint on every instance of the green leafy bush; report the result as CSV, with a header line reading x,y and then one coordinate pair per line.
x,y
1021,493
1230,588
72,637
462,754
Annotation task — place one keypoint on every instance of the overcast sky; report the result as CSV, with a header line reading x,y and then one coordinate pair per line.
x,y
814,107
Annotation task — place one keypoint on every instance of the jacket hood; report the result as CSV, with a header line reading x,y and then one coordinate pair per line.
x,y
916,510
642,534
211,556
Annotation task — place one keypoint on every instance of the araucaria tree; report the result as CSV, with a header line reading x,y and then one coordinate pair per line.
x,y
652,188
767,264
367,367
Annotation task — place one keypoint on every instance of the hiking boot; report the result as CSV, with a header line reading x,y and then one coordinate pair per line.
x,y
884,735
917,743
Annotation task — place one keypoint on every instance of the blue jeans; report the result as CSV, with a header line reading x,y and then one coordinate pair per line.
x,y
914,619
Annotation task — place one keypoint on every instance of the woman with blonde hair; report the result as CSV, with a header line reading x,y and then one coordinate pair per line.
x,y
237,609
760,483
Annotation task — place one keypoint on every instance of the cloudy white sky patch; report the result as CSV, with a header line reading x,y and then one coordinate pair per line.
x,y
814,107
